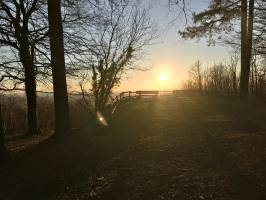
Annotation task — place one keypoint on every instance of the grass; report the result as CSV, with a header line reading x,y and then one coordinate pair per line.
x,y
162,148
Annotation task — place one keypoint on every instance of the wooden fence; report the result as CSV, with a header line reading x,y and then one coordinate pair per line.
x,y
141,93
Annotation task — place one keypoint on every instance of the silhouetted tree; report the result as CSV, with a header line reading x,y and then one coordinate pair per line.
x,y
196,72
111,44
232,67
20,31
247,15
219,18
58,66
257,76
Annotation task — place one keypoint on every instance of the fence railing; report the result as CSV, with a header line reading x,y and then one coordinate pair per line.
x,y
141,93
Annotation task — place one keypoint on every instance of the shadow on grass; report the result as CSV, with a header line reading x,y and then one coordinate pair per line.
x,y
177,137
36,173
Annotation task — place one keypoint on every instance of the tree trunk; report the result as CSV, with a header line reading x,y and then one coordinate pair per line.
x,y
234,82
3,151
58,67
256,80
252,79
246,45
30,85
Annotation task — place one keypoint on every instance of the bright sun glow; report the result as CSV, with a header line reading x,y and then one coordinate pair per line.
x,y
164,76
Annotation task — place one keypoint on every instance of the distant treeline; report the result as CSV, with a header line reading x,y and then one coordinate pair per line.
x,y
14,115
224,77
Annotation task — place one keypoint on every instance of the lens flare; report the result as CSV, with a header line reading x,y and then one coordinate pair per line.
x,y
101,118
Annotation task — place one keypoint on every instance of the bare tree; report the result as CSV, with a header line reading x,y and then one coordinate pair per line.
x,y
258,76
20,30
232,67
196,72
111,45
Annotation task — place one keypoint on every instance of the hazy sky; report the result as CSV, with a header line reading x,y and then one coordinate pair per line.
x,y
172,54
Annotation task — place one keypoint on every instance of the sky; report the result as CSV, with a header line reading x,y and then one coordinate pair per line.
x,y
171,55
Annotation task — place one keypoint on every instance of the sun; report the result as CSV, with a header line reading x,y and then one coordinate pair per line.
x,y
164,76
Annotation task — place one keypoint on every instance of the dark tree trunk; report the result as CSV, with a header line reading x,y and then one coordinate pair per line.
x,y
58,67
200,83
234,83
246,45
30,86
252,79
3,151
256,80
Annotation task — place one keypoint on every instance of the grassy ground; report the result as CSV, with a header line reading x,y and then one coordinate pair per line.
x,y
162,148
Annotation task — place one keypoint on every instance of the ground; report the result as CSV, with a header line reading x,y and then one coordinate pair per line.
x,y
184,147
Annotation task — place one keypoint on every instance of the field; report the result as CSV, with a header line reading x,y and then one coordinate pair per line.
x,y
184,147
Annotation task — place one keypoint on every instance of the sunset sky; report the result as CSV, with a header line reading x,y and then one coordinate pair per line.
x,y
171,54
